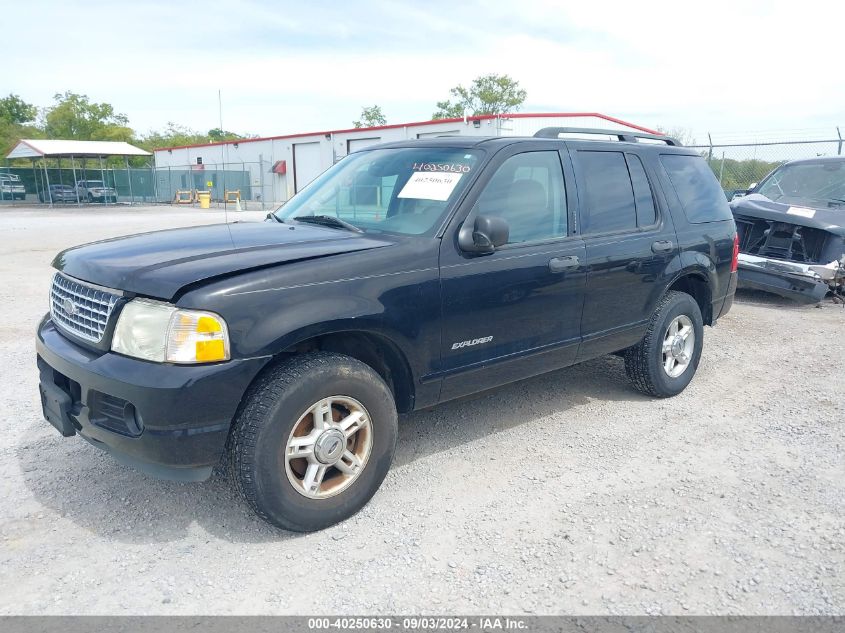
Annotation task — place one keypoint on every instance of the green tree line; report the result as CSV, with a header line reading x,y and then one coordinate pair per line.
x,y
739,174
74,116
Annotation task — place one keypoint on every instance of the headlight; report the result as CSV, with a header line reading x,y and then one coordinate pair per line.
x,y
160,332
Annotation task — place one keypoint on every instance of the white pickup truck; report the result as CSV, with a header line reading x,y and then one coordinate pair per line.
x,y
11,187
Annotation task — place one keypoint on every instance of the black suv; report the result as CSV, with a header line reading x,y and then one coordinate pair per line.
x,y
406,275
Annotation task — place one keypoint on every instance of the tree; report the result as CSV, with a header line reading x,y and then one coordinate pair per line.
x,y
370,117
175,135
681,134
488,94
15,113
739,174
172,136
15,110
75,117
216,135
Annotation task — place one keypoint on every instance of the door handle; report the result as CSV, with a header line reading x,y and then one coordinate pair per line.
x,y
562,264
662,246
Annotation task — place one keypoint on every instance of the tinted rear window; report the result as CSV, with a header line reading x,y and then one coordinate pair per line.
x,y
609,195
701,196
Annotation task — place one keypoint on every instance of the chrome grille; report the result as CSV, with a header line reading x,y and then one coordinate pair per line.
x,y
81,309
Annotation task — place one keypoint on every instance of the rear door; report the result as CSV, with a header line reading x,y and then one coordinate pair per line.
x,y
629,241
515,312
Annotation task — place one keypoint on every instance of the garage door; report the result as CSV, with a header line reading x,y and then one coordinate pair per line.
x,y
306,164
354,144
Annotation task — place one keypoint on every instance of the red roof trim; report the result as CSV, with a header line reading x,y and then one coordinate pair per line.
x,y
393,126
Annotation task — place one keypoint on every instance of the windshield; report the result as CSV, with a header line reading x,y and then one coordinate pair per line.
x,y
402,190
822,182
94,183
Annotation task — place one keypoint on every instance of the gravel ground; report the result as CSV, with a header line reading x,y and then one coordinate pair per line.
x,y
568,493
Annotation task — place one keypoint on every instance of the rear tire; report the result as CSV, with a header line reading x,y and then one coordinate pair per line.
x,y
664,362
342,466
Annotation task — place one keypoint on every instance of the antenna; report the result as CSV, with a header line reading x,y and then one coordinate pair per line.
x,y
222,153
220,107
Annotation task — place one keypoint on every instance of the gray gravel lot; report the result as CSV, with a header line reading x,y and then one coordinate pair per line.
x,y
568,493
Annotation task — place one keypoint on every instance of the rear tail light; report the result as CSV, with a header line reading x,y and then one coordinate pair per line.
x,y
735,256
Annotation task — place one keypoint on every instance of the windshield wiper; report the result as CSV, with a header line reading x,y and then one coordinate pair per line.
x,y
328,220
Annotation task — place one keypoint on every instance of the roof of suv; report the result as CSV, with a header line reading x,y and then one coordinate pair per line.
x,y
496,142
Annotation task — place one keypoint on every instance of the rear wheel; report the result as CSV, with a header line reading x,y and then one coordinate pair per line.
x,y
313,441
663,363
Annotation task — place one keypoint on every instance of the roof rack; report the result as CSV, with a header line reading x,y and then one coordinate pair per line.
x,y
621,135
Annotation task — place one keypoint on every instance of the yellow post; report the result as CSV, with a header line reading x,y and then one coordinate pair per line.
x,y
205,199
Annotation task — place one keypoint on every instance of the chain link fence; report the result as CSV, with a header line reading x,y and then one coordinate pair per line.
x,y
736,166
739,165
54,182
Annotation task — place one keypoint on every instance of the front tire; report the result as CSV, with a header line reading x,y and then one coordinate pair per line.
x,y
664,362
313,441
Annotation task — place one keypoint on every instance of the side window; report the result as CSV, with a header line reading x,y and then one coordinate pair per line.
x,y
528,192
698,190
646,212
609,195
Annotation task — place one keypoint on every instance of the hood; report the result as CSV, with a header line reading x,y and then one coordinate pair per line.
x,y
161,263
759,206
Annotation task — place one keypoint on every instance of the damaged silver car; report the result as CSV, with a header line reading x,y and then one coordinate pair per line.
x,y
792,230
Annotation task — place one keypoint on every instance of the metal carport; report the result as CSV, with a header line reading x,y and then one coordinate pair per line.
x,y
59,149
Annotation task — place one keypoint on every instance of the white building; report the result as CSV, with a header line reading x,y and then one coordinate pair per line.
x,y
272,169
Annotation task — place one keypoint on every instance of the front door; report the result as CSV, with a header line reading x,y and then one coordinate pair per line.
x,y
515,312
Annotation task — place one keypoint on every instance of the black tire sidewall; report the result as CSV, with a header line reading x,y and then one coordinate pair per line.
x,y
276,495
681,304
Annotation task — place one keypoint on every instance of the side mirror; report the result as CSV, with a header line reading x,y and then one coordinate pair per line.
x,y
752,187
488,233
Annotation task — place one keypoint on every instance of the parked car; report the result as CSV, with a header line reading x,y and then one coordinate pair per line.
x,y
58,193
406,275
95,191
11,187
792,230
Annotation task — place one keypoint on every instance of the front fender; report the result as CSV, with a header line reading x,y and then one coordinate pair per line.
x,y
402,307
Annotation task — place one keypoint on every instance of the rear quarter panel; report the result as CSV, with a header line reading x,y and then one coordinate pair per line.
x,y
705,248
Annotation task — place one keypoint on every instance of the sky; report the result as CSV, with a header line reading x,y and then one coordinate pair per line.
x,y
738,69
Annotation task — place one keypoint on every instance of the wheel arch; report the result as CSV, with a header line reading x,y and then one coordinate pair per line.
x,y
696,283
374,349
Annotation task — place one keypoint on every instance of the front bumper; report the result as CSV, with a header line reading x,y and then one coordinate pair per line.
x,y
792,280
170,421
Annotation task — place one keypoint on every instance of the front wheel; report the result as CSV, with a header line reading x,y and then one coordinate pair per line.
x,y
313,441
663,363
